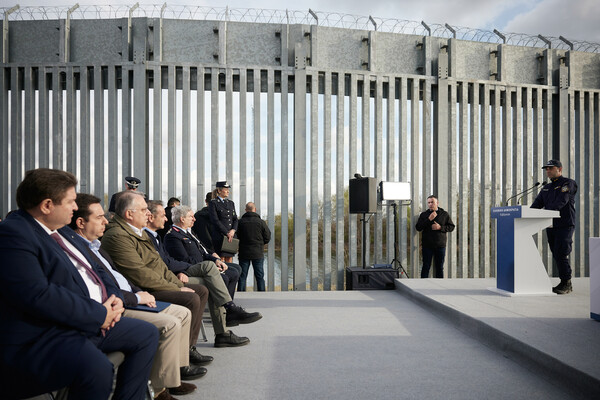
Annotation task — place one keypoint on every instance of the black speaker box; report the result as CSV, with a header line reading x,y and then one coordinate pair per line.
x,y
363,196
358,278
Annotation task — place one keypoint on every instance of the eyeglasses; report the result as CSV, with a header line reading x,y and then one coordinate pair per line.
x,y
144,210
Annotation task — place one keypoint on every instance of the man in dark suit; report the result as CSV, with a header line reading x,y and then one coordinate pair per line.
x,y
57,317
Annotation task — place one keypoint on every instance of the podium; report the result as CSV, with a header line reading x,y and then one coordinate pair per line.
x,y
519,267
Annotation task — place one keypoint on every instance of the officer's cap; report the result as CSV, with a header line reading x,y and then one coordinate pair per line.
x,y
552,163
222,184
132,182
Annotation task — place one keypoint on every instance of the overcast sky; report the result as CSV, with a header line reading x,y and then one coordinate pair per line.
x,y
574,19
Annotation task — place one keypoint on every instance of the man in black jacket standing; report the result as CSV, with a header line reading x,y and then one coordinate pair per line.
x,y
559,195
253,234
434,223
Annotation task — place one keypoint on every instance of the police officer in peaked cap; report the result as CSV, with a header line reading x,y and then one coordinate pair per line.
x,y
223,217
559,194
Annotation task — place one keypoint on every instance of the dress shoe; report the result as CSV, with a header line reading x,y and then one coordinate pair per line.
x,y
197,358
184,388
192,372
237,315
230,339
164,395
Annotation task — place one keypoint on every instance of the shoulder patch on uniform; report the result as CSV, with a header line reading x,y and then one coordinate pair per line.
x,y
565,189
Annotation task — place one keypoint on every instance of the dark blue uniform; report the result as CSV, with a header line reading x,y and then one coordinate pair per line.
x,y
224,218
559,195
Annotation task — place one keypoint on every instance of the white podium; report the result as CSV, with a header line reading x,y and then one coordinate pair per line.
x,y
595,278
519,267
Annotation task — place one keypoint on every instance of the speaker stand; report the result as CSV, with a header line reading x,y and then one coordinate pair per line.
x,y
397,265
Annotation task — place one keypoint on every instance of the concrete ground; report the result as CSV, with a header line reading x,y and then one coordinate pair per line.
x,y
426,340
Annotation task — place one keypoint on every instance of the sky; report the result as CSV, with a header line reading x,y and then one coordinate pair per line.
x,y
573,19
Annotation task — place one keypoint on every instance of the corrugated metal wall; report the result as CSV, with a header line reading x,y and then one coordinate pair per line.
x,y
289,113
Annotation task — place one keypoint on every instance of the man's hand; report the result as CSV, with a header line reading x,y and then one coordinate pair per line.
x,y
436,227
147,299
183,277
432,216
114,309
186,289
221,265
230,235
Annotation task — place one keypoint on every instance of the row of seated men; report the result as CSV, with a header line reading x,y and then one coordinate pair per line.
x,y
68,298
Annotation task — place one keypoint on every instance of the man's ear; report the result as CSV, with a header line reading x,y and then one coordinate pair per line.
x,y
80,223
46,206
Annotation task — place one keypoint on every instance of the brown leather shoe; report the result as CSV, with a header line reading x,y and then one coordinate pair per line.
x,y
184,388
164,395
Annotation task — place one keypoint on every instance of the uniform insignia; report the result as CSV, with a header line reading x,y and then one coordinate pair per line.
x,y
565,189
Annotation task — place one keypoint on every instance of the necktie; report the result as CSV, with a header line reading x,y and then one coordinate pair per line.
x,y
90,271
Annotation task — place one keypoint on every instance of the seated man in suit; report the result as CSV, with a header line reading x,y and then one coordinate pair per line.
x,y
57,317
223,311
136,257
181,244
171,363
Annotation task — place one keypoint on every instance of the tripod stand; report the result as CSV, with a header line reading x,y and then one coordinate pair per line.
x,y
397,265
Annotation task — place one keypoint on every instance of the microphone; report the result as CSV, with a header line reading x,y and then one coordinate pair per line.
x,y
523,193
520,198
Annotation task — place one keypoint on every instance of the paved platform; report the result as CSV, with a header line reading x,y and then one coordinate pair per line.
x,y
426,340
552,336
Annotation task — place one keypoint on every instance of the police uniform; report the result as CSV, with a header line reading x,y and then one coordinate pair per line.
x,y
559,195
223,218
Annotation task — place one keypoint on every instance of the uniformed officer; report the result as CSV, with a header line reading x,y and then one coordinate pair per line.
x,y
223,218
559,194
131,183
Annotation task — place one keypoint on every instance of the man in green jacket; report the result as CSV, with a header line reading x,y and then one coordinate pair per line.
x,y
136,257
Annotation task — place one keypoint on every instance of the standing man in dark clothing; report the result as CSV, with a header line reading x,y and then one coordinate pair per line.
x,y
253,233
559,195
434,223
202,225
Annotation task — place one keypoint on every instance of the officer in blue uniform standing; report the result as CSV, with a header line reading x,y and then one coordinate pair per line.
x,y
223,218
559,195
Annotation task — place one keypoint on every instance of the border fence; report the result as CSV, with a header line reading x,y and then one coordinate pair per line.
x,y
288,105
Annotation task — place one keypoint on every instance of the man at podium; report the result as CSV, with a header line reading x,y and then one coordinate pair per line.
x,y
559,195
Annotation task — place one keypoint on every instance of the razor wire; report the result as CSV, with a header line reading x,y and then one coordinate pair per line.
x,y
310,17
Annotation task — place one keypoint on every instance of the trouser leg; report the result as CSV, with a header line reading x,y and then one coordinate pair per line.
x,y
440,255
138,340
259,273
245,266
209,275
561,241
195,302
427,257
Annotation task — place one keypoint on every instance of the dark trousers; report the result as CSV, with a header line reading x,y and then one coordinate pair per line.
x,y
195,302
438,254
560,241
230,277
259,274
87,372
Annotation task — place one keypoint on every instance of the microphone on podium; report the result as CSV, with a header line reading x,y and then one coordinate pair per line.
x,y
523,193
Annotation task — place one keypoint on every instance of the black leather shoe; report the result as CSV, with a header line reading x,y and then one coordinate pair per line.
x,y
237,315
184,388
199,359
192,372
230,339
